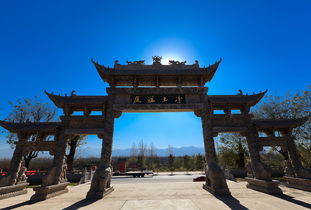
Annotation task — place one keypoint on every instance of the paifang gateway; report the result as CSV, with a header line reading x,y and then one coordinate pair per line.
x,y
137,87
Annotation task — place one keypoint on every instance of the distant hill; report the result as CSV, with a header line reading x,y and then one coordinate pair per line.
x,y
7,152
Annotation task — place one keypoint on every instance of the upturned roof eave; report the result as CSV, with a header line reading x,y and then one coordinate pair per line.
x,y
62,101
251,100
106,73
29,126
280,123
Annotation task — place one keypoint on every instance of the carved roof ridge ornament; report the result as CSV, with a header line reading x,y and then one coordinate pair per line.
x,y
156,60
136,63
175,74
173,62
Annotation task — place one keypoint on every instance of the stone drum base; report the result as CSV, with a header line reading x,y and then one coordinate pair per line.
x,y
216,191
270,187
99,195
298,183
43,193
13,190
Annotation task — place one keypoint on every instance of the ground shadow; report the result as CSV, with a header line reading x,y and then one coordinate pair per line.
x,y
293,200
19,205
231,202
81,203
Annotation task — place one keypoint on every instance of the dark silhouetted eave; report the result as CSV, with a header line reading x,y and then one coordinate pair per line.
x,y
61,101
279,123
30,126
236,99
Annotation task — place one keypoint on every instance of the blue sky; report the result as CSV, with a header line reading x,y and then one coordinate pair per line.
x,y
47,45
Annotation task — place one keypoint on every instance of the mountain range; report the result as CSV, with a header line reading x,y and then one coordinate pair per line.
x,y
180,151
7,152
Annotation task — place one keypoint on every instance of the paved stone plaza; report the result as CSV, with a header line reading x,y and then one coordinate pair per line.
x,y
165,193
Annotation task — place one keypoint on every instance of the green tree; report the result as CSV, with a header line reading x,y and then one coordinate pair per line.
x,y
199,162
232,150
156,163
29,110
73,143
186,162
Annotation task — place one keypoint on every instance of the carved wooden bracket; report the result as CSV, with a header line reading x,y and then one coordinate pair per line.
x,y
198,113
117,114
23,136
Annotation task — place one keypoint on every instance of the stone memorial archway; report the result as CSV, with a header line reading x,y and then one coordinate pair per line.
x,y
176,87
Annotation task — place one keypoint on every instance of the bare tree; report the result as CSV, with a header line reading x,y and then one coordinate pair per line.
x,y
141,159
73,143
151,155
29,110
134,150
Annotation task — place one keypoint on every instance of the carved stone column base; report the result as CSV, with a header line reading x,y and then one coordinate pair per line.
x,y
13,190
270,187
298,183
218,191
215,180
99,195
43,193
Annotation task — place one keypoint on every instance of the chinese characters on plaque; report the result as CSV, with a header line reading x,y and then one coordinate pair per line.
x,y
158,99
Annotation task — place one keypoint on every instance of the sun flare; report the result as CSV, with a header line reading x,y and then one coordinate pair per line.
x,y
167,57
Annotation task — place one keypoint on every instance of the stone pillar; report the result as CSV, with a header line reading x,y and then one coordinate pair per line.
x,y
100,185
57,173
215,177
260,170
16,161
261,180
55,181
294,158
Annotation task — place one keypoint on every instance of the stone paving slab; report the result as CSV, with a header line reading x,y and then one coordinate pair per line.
x,y
167,195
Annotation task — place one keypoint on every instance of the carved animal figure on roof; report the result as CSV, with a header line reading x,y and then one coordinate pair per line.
x,y
157,59
73,93
142,62
172,62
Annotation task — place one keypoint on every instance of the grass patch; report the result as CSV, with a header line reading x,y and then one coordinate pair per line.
x,y
72,184
240,179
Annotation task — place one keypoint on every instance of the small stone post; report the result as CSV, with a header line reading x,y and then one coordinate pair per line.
x,y
55,181
57,173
